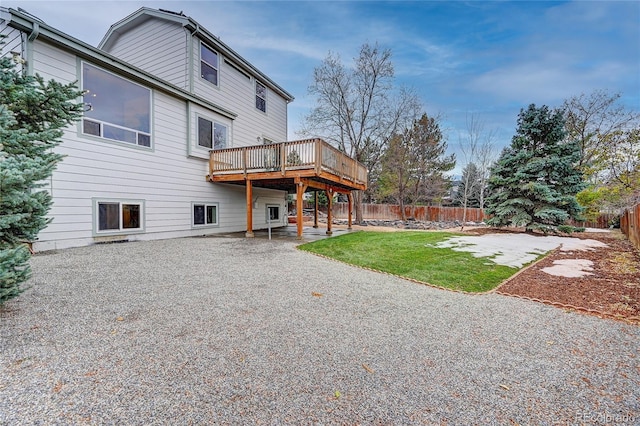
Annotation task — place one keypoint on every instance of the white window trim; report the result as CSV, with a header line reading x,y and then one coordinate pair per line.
x,y
213,124
121,231
205,204
266,93
266,217
95,120
217,84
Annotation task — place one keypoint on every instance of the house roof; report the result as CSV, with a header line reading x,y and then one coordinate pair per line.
x,y
144,14
37,29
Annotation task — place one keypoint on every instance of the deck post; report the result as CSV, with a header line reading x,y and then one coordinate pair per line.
x,y
318,155
350,209
245,161
329,208
283,158
299,194
249,233
315,211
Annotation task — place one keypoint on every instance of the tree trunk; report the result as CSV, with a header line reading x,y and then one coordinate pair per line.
x,y
357,202
401,205
464,214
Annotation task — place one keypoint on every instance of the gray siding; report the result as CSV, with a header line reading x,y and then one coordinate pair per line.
x,y
165,178
158,47
237,93
13,42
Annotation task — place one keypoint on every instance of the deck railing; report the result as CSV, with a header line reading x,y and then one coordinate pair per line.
x,y
314,154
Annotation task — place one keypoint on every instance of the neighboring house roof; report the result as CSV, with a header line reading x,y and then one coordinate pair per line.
x,y
143,14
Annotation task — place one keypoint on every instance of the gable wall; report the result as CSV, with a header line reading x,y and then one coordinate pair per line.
x,y
157,46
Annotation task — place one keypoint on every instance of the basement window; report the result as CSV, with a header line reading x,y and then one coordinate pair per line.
x,y
205,214
118,216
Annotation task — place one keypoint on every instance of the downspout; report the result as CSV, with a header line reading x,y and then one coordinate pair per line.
x,y
190,84
35,31
190,64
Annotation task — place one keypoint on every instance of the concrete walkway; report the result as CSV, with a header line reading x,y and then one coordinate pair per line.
x,y
290,232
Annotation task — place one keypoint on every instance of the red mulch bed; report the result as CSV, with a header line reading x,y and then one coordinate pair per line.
x,y
613,291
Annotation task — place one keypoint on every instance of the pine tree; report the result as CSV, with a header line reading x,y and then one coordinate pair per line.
x,y
32,115
535,180
414,163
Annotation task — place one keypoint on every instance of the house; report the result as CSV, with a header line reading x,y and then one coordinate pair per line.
x,y
181,136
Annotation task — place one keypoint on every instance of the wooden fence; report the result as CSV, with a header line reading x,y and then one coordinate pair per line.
x,y
423,213
603,221
439,214
630,225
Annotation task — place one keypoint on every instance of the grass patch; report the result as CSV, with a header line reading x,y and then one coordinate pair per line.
x,y
408,254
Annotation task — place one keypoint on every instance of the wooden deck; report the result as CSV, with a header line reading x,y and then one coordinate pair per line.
x,y
297,166
278,165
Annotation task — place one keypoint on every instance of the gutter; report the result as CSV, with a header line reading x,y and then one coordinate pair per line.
x,y
190,47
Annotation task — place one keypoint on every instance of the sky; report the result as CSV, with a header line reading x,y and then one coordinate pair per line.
x,y
463,58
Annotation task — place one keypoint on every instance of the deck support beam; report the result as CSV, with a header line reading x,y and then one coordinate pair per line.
x,y
300,188
249,233
329,211
315,211
350,211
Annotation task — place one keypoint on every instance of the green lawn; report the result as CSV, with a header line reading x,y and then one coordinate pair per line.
x,y
409,254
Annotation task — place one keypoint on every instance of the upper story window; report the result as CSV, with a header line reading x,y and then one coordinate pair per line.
x,y
117,109
208,64
211,135
261,96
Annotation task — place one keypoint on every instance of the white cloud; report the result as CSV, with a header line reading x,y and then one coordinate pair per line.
x,y
546,81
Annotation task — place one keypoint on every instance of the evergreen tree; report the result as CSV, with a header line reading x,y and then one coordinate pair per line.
x,y
414,164
32,115
535,180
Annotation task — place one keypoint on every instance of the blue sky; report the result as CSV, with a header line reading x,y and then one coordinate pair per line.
x,y
489,59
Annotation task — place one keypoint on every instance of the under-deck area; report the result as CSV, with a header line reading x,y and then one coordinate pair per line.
x,y
296,167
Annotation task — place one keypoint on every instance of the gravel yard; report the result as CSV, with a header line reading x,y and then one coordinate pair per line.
x,y
250,331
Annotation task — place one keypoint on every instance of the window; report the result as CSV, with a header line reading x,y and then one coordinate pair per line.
x,y
117,109
211,135
273,213
205,214
115,216
208,64
261,97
